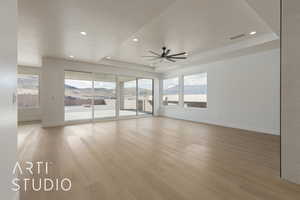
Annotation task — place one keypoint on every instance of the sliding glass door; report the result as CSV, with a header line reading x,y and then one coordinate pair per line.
x,y
93,96
78,96
145,96
127,93
104,96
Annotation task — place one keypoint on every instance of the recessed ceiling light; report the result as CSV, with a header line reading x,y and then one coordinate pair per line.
x,y
108,57
252,33
135,39
71,56
83,33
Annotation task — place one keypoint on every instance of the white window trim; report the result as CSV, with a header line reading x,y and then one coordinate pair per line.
x,y
117,114
189,74
181,92
162,92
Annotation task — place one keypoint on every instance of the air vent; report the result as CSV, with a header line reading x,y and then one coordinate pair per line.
x,y
237,36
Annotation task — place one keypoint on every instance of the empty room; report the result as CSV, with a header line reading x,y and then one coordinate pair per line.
x,y
151,100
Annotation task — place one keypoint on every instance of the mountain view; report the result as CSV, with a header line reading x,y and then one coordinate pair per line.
x,y
102,92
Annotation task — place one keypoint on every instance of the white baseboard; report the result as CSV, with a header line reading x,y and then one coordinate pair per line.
x,y
248,128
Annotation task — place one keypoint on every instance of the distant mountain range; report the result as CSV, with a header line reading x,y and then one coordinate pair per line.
x,y
31,84
101,92
190,89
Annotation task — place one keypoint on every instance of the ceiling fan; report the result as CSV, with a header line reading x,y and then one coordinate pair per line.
x,y
165,55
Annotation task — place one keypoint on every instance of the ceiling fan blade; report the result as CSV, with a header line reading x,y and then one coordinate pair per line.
x,y
157,54
167,52
169,59
172,57
177,54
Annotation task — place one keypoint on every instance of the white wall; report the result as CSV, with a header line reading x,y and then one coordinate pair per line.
x,y
243,93
52,85
8,109
290,79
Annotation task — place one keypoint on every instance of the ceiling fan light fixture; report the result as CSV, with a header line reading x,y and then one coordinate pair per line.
x,y
252,32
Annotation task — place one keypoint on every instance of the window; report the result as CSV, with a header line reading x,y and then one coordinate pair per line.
x,y
78,96
28,91
145,96
128,94
90,96
195,90
104,96
171,91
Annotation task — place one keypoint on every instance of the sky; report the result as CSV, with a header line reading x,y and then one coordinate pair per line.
x,y
196,79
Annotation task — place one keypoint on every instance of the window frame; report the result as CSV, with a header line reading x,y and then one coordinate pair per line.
x,y
190,74
94,94
179,91
117,79
152,80
63,99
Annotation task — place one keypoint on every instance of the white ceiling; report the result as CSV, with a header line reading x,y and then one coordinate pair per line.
x,y
52,28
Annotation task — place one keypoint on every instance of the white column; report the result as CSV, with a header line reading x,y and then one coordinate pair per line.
x,y
52,93
290,80
8,107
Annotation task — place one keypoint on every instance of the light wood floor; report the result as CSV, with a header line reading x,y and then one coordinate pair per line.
x,y
157,159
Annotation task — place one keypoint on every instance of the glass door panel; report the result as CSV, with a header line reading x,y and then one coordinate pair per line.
x,y
78,96
128,95
145,96
105,96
